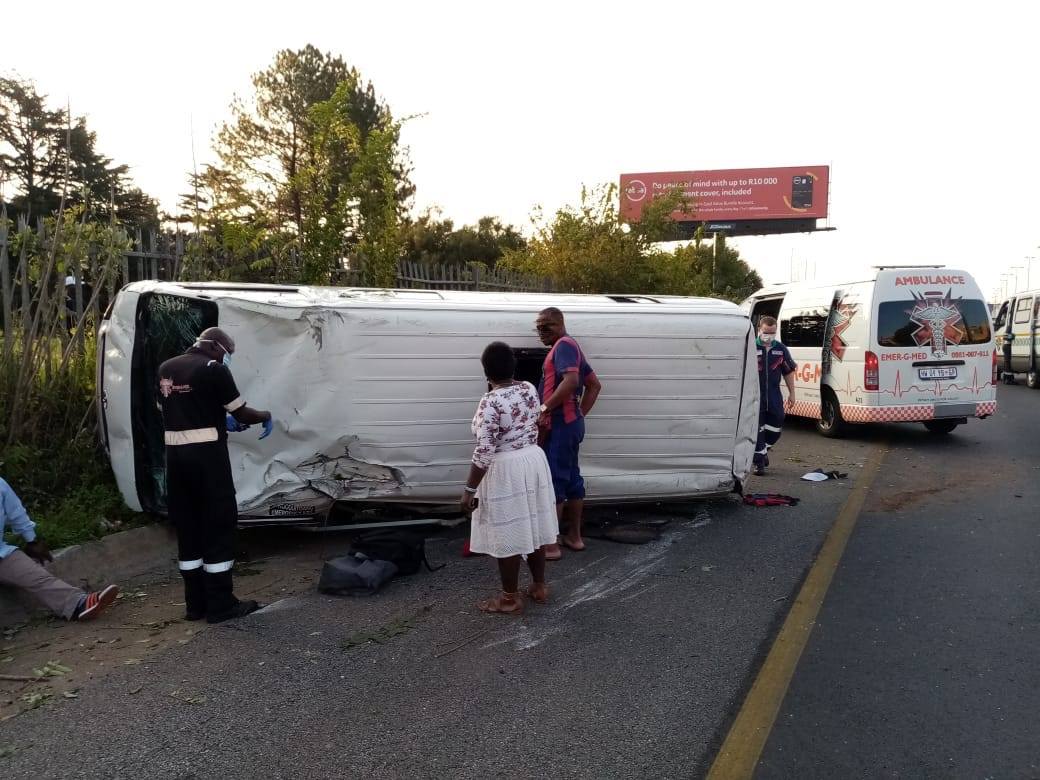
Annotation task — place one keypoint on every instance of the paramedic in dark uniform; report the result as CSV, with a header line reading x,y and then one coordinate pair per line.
x,y
774,362
200,404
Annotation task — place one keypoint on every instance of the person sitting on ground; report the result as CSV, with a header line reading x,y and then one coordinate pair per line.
x,y
25,570
510,491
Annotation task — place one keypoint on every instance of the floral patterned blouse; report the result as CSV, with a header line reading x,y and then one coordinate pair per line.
x,y
506,419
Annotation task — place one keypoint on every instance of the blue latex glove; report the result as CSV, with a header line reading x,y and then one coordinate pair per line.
x,y
268,427
234,426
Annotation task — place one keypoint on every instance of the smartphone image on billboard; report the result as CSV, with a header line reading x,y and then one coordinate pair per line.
x,y
801,192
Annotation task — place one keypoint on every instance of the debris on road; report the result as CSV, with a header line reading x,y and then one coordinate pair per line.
x,y
819,475
51,669
770,499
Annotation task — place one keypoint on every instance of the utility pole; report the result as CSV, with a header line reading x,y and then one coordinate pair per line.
x,y
1016,269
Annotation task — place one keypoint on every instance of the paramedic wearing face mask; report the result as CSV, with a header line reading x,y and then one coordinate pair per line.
x,y
774,362
200,404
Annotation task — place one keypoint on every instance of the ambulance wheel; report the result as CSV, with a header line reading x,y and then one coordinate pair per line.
x,y
1033,380
830,423
941,427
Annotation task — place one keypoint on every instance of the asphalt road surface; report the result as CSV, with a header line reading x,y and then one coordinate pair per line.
x,y
921,662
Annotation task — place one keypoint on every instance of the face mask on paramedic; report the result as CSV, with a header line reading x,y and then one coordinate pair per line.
x,y
766,338
226,360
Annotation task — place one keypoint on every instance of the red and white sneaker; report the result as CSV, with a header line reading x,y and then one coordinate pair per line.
x,y
96,602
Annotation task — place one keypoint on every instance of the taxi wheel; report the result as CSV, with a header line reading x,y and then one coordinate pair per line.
x,y
1033,380
830,423
941,427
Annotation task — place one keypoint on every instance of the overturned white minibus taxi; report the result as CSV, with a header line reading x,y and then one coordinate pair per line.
x,y
373,391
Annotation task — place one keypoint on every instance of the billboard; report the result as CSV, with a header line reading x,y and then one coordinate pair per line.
x,y
733,195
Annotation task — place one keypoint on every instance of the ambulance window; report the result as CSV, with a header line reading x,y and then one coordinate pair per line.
x,y
899,327
1022,311
804,328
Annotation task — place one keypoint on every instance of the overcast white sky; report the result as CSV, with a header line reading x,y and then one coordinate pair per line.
x,y
926,111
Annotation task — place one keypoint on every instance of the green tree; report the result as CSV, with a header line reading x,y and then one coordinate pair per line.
x,y
588,249
436,241
702,268
38,145
270,140
99,184
349,193
30,136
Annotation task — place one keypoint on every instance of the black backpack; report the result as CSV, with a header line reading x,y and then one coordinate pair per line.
x,y
405,549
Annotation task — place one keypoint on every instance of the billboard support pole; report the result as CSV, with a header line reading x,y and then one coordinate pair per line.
x,y
714,257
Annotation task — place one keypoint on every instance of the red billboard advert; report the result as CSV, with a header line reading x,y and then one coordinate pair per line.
x,y
740,194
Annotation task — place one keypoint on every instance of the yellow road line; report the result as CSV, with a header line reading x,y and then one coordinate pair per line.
x,y
747,737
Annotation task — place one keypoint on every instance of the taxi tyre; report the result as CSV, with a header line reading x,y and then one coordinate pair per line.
x,y
941,427
830,423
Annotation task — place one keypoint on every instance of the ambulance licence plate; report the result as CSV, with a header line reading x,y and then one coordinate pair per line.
x,y
945,372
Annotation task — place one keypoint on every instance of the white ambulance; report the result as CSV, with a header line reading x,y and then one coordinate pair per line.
x,y
910,344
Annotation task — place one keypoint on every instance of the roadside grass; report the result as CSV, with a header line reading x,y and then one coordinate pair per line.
x,y
54,462
71,495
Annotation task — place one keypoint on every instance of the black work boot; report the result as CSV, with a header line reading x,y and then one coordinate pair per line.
x,y
221,602
240,609
194,594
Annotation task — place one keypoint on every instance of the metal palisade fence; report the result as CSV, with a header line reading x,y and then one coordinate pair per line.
x,y
474,276
57,277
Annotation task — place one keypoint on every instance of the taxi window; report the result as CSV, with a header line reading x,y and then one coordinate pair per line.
x,y
1001,319
1022,311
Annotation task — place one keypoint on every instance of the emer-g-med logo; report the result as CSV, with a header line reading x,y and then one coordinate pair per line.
x,y
939,321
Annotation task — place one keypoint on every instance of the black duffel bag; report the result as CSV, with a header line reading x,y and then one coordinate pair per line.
x,y
355,575
405,549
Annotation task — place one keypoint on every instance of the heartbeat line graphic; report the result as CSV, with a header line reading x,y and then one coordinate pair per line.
x,y
898,391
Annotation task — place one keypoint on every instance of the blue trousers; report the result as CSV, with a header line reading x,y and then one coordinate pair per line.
x,y
770,423
561,450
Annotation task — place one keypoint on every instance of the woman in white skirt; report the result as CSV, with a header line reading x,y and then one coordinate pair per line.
x,y
509,491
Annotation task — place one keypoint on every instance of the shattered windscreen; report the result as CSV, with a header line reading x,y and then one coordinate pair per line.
x,y
166,326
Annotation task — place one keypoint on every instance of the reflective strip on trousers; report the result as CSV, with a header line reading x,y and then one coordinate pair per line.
x,y
217,568
196,436
189,565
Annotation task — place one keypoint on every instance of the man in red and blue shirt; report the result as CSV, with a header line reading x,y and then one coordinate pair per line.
x,y
568,390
